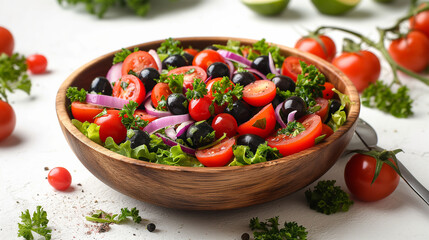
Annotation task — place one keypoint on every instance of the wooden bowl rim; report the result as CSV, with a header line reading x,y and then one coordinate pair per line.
x,y
65,120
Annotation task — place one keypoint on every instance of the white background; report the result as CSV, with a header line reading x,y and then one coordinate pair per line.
x,y
69,37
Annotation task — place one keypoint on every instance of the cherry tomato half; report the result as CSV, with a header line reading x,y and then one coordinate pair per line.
x,y
291,67
158,92
138,61
111,126
7,120
288,145
259,93
262,124
130,87
85,111
359,173
59,178
217,156
199,108
206,57
421,22
190,73
6,41
321,46
411,51
37,63
327,92
324,108
326,130
224,123
144,115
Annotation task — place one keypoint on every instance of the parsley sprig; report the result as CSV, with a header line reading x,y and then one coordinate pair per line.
x,y
292,129
327,198
101,216
120,56
309,84
100,7
175,81
13,75
261,47
198,91
128,119
76,95
170,47
38,224
224,92
270,229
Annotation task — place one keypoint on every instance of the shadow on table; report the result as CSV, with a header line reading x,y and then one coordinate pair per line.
x,y
11,141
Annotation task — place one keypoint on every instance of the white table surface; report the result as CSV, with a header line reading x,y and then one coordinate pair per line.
x,y
69,37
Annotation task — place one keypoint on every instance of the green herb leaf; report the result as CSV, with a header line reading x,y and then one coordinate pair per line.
x,y
292,129
270,230
309,84
175,81
104,112
13,75
327,198
128,119
225,92
244,156
170,47
100,7
101,216
199,90
38,224
120,56
75,95
162,104
263,48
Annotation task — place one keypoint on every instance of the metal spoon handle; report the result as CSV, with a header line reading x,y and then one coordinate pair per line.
x,y
413,182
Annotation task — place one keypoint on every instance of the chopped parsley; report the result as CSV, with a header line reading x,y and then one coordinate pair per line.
x,y
198,91
271,230
128,119
292,129
38,224
225,92
327,198
309,84
75,95
101,216
120,56
13,75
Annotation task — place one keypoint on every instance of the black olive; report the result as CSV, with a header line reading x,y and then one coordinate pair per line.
x,y
243,78
189,58
212,48
217,69
200,134
251,140
176,60
291,104
333,107
177,103
147,76
151,227
276,101
240,111
139,138
261,64
101,85
284,83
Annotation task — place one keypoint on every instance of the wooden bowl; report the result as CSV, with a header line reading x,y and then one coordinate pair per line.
x,y
206,188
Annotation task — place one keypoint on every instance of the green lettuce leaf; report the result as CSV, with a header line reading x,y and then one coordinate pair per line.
x,y
243,155
90,130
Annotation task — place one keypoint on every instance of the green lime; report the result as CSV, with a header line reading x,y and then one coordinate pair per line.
x,y
335,7
266,7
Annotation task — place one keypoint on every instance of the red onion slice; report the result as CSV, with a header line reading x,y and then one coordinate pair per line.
x,y
183,127
159,123
106,101
291,116
147,96
234,57
114,73
172,143
231,68
171,133
208,79
278,117
152,111
155,56
273,68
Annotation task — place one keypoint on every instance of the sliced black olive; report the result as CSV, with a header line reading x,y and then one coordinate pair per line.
x,y
147,76
177,103
251,140
200,134
101,85
176,60
291,104
217,69
240,111
243,78
261,64
284,83
139,138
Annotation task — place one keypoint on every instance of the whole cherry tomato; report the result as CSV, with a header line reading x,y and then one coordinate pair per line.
x,y
421,21
224,123
7,120
111,126
321,46
37,63
160,92
411,51
291,67
359,173
199,108
206,57
6,41
59,178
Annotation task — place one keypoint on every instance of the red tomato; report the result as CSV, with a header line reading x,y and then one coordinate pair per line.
x,y
360,67
262,124
59,178
421,22
191,51
144,115
327,92
217,156
289,145
129,87
111,126
326,130
160,90
37,63
411,51
190,73
206,57
259,93
199,108
210,83
85,111
224,123
324,108
138,61
6,41
359,173
322,47
7,120
291,67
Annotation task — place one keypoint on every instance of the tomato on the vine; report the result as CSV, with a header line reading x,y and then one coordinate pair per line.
x,y
85,111
206,57
138,61
411,51
160,92
189,74
37,63
6,41
199,109
420,22
321,46
217,156
59,178
291,67
7,120
130,87
224,123
359,173
262,124
259,93
288,145
362,67
111,126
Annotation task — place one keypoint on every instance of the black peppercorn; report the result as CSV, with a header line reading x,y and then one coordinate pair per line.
x,y
151,227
